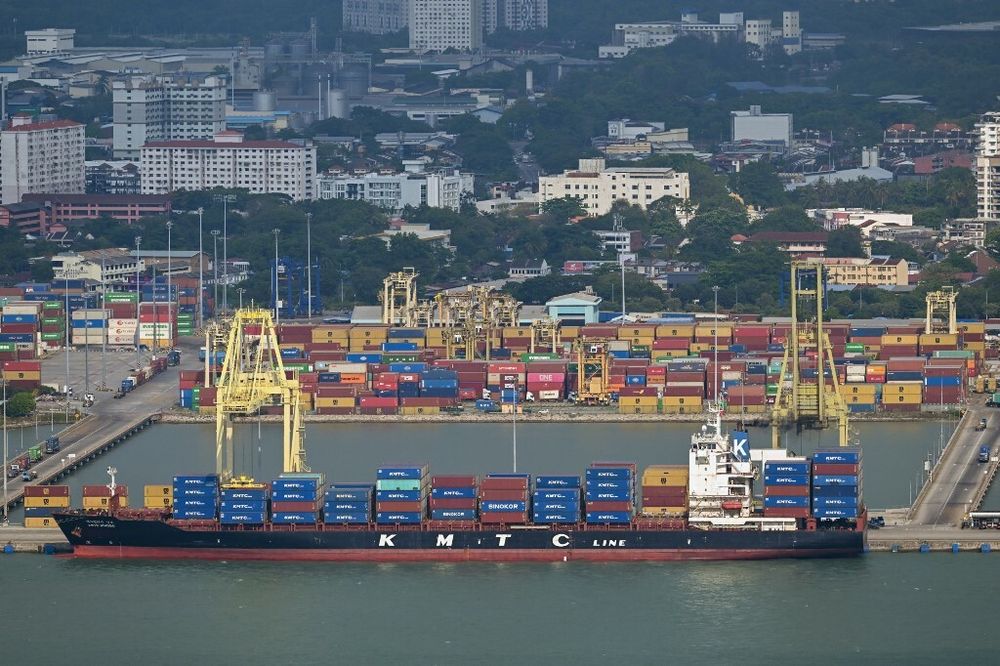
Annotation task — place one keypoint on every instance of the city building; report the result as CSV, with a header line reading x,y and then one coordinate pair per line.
x,y
628,37
759,33
810,243
521,15
107,265
832,219
163,109
988,167
877,271
40,157
581,307
625,128
174,262
68,209
524,270
598,187
375,17
26,218
438,25
112,177
926,165
229,161
964,231
49,41
620,242
791,33
422,232
754,125
394,191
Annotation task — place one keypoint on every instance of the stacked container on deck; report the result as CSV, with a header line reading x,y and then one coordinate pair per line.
x,y
503,499
454,499
664,490
99,497
836,484
243,505
297,498
610,493
40,502
786,488
557,500
401,494
196,497
348,503
157,497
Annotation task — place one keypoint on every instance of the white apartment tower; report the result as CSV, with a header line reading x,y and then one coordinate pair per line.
x,y
375,17
438,25
41,157
988,167
525,14
598,187
156,109
791,33
226,160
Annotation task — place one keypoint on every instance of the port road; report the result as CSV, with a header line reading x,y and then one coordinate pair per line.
x,y
958,481
107,420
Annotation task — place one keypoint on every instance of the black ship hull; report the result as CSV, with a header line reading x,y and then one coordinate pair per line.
x,y
113,537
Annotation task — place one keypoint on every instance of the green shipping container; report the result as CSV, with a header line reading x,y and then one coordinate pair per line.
x,y
35,453
528,358
640,348
11,346
53,320
52,336
854,348
301,367
955,353
120,297
772,390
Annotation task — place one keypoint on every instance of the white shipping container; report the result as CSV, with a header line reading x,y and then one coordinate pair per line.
x,y
347,367
123,323
28,309
548,395
90,314
128,340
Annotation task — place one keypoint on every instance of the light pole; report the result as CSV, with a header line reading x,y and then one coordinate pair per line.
x,y
104,340
5,509
69,324
201,273
309,267
277,313
240,290
715,343
215,271
138,301
623,286
170,298
226,199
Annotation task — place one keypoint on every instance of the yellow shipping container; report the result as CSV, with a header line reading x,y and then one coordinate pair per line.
x,y
708,330
508,408
682,400
42,502
948,339
972,327
35,522
665,475
515,332
639,400
102,502
682,409
21,376
902,399
663,511
910,339
746,409
158,491
206,409
675,331
373,332
157,502
415,411
335,402
638,409
909,388
857,389
860,399
569,332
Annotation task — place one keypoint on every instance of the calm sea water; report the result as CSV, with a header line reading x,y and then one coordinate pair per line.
x,y
875,609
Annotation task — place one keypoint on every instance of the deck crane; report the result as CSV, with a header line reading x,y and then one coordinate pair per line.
x,y
798,403
252,377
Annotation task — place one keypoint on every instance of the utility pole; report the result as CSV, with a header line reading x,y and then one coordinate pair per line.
x,y
69,324
104,340
309,267
5,498
138,301
277,313
226,199
201,273
240,290
170,299
715,343
215,271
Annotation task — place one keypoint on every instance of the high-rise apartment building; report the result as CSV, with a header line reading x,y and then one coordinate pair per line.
x,y
988,167
438,25
160,109
41,157
375,17
525,14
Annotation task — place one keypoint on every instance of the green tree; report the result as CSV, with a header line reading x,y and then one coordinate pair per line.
x,y
845,242
786,218
562,209
758,184
20,404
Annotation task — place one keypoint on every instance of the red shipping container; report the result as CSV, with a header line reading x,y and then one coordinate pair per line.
x,y
671,344
22,366
508,518
46,491
104,491
786,491
633,391
453,503
655,492
503,494
18,328
503,483
465,393
786,512
609,506
335,410
378,411
371,402
409,507
683,391
308,507
453,481
835,469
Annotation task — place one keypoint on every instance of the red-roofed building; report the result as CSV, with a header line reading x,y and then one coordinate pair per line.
x,y
40,157
68,209
261,167
809,243
946,159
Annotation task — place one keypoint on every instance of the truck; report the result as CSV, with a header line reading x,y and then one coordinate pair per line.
x,y
173,357
18,466
981,425
984,453
52,445
35,453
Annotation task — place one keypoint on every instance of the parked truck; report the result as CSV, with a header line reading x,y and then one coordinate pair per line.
x,y
52,445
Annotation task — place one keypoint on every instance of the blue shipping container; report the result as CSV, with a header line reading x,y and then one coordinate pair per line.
x,y
942,381
399,495
210,480
399,346
17,337
555,517
557,482
407,367
242,505
557,495
252,494
786,479
503,506
635,380
786,502
241,517
21,318
841,502
295,495
295,484
194,503
602,473
556,505
457,493
293,518
350,518
195,492
367,357
609,496
614,484
612,517
193,514
838,480
783,468
453,514
349,507
402,472
397,517
838,457
40,511
832,513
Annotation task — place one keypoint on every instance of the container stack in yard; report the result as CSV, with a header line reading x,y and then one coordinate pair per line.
x,y
22,375
297,498
610,493
837,484
786,488
453,500
40,502
401,494
196,497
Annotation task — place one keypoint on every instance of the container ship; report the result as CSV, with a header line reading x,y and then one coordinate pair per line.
x,y
705,510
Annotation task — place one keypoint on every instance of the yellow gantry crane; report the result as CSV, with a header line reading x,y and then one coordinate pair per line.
x,y
399,298
253,376
545,333
592,371
941,314
807,405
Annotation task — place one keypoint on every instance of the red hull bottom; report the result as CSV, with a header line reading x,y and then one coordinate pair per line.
x,y
444,555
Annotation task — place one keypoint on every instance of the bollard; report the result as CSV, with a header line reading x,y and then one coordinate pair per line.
x,y
925,548
984,548
954,547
